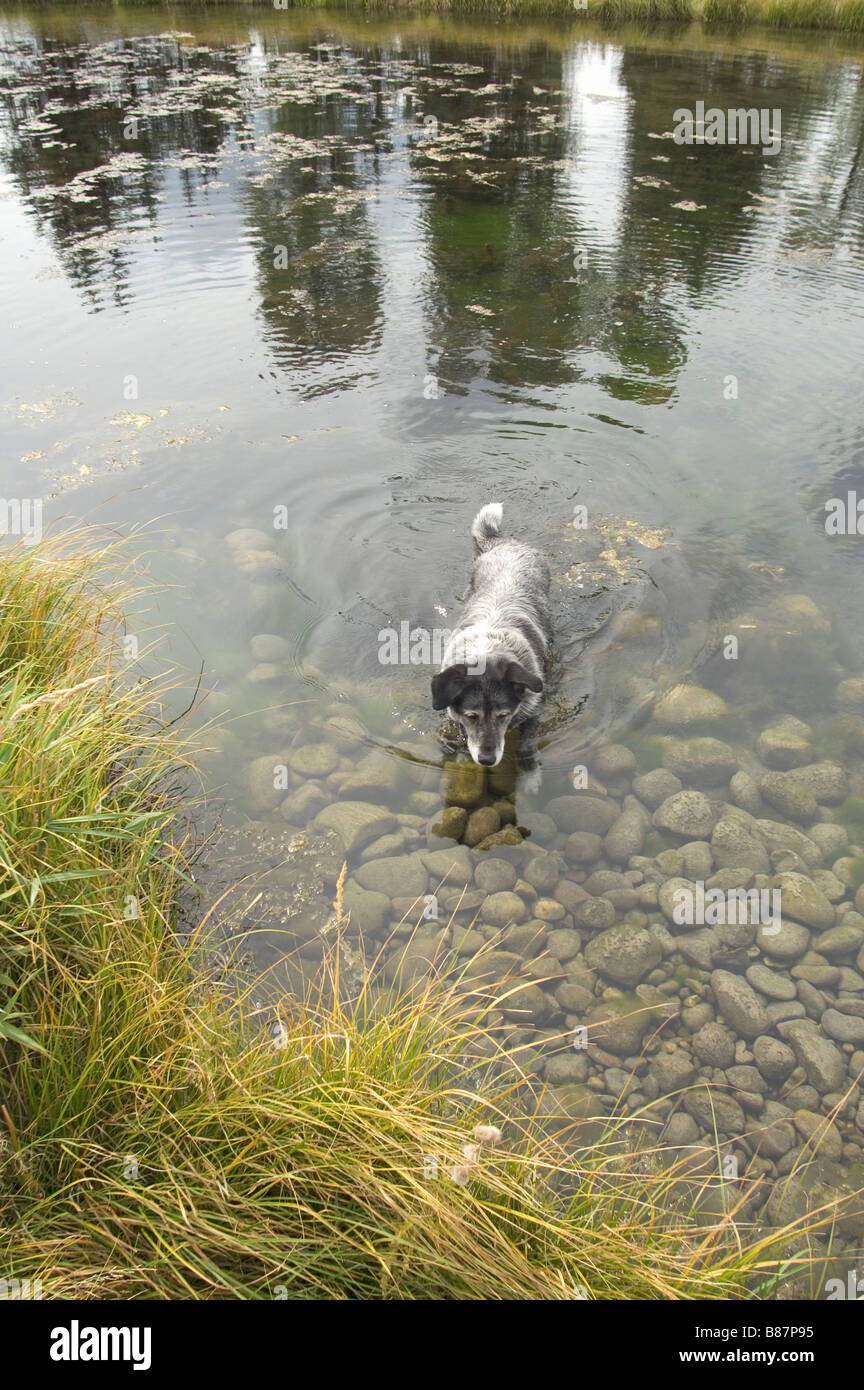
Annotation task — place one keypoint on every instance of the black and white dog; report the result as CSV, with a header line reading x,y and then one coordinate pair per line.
x,y
491,678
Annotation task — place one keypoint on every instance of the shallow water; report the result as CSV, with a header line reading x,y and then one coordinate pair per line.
x,y
339,282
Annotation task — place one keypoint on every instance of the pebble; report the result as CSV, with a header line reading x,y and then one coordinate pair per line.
x,y
688,813
656,786
494,875
688,704
503,908
738,1004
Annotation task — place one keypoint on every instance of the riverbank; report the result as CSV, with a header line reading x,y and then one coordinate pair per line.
x,y
164,1139
843,15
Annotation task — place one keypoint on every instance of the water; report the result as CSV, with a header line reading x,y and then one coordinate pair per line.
x,y
339,281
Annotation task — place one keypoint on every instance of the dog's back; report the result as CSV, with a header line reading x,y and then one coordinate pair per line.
x,y
492,676
509,584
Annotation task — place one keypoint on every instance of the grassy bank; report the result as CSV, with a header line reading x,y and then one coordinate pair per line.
x,y
157,1143
842,15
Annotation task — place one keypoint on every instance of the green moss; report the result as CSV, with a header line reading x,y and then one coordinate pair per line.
x,y
851,816
855,870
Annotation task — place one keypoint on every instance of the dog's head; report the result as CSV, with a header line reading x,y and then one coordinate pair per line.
x,y
484,705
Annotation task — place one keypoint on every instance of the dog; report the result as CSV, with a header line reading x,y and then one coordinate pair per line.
x,y
492,673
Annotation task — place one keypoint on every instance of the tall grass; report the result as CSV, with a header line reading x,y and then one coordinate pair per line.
x,y
844,15
159,1141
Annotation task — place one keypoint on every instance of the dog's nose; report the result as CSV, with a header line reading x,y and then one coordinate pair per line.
x,y
486,760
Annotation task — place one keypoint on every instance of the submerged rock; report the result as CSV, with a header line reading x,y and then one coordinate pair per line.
x,y
357,823
784,745
464,783
688,813
738,1004
596,814
803,901
656,786
313,760
824,1065
688,704
397,875
624,953
774,1058
706,761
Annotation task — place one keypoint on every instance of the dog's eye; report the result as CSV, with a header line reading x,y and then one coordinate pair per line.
x,y
469,714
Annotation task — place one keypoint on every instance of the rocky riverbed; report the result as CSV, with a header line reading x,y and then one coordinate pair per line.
x,y
564,923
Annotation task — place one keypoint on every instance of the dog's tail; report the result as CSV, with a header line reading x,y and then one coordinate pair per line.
x,y
486,526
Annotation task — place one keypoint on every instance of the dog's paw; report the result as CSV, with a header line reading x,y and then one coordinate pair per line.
x,y
531,782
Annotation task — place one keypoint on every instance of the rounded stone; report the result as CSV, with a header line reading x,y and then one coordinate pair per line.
x,y
843,1028
262,777
790,798
503,908
774,1058
540,827
583,847
688,704
542,872
802,900
714,1109
313,760
594,913
688,814
624,953
824,1065
357,823
257,562
738,1004
449,825
782,747
612,762
564,943
494,875
586,812
707,762
548,910
246,536
464,783
714,1045
625,837
481,823
656,786
744,793
843,940
264,673
397,875
734,847
826,781
770,982
783,940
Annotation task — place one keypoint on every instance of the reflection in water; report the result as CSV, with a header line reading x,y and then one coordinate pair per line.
x,y
299,295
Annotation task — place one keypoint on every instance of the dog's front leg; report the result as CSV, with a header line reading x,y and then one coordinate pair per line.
x,y
531,776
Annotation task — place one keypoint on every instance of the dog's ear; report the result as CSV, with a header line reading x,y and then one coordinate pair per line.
x,y
517,675
448,685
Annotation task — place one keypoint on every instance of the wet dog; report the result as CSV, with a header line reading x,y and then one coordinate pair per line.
x,y
491,678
